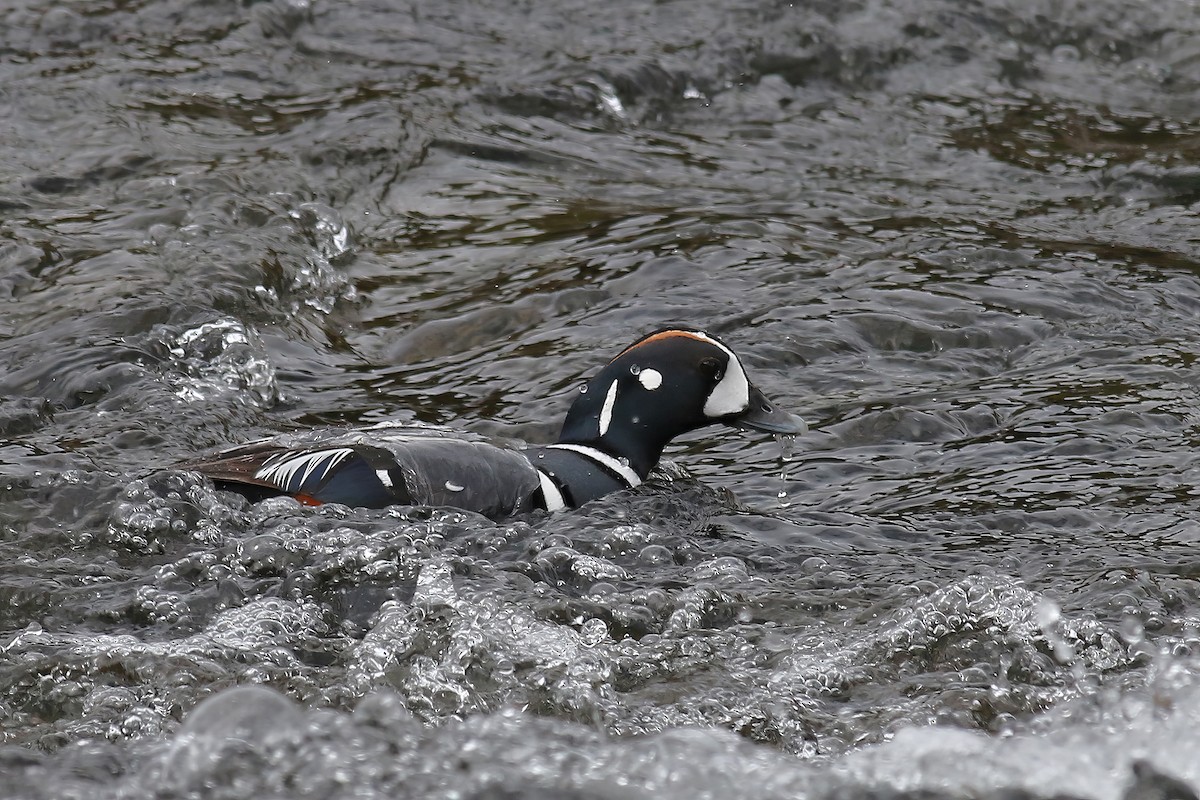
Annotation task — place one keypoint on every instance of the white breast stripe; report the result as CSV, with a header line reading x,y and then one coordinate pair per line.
x,y
606,413
627,474
290,471
550,493
384,478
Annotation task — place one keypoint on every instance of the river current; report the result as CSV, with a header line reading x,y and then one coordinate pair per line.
x,y
958,237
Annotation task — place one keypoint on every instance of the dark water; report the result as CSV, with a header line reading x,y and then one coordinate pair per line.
x,y
959,238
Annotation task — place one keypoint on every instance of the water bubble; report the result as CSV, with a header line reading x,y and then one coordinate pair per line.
x,y
556,540
602,588
1065,52
655,554
719,568
593,632
814,564
244,718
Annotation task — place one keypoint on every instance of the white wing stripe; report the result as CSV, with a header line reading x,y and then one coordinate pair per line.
x,y
281,469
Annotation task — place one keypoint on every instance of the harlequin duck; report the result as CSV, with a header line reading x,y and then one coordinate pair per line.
x,y
665,384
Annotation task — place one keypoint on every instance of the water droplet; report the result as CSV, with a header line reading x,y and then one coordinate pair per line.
x,y
1048,614
454,487
1131,629
787,445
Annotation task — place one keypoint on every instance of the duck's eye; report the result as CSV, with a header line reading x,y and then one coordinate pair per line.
x,y
713,369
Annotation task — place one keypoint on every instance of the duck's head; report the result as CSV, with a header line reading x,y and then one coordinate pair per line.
x,y
663,385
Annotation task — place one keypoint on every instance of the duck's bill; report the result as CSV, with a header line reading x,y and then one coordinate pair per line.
x,y
763,415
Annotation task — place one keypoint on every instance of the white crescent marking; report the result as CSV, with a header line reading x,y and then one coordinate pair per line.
x,y
550,493
606,413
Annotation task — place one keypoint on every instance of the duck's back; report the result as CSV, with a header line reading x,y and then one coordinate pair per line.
x,y
380,466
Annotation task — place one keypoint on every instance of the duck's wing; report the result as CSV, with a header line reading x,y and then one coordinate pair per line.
x,y
377,467
353,474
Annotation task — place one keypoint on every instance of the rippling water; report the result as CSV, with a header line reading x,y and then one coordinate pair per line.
x,y
959,238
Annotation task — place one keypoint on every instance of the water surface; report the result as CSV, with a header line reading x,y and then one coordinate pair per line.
x,y
958,238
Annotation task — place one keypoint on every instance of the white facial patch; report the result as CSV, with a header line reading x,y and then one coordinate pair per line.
x,y
650,379
731,395
606,412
